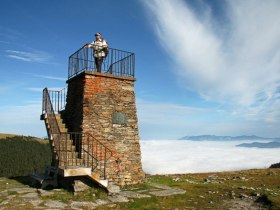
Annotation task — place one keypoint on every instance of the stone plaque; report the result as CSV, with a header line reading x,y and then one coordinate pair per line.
x,y
119,118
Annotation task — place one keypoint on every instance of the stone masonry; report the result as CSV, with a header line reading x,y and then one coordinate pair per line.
x,y
104,106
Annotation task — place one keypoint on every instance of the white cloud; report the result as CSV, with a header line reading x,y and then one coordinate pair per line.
x,y
50,77
178,156
237,63
35,56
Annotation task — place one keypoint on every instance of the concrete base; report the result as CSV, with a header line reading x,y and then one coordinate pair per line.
x,y
74,172
104,183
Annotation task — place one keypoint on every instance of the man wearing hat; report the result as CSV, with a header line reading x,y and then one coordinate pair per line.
x,y
99,47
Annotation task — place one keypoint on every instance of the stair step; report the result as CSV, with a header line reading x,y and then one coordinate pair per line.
x,y
74,171
72,162
68,154
96,177
63,143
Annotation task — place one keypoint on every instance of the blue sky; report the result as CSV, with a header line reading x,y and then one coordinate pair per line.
x,y
202,67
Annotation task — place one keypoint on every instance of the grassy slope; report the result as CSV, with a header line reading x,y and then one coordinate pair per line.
x,y
4,135
23,155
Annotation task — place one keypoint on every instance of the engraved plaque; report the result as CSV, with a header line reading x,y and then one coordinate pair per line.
x,y
119,118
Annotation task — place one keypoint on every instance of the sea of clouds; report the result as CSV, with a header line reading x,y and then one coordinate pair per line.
x,y
184,156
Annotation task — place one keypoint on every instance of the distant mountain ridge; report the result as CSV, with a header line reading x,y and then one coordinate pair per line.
x,y
223,138
272,144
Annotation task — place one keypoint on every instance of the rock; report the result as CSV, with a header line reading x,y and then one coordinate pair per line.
x,y
100,202
168,192
4,202
30,196
113,188
55,204
4,193
22,190
160,186
45,192
36,202
80,186
176,179
77,204
213,177
243,196
131,194
118,199
256,194
113,205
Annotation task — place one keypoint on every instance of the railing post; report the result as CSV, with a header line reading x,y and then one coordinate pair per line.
x,y
105,159
43,101
58,95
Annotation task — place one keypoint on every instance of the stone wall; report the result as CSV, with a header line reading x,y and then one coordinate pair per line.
x,y
104,105
73,113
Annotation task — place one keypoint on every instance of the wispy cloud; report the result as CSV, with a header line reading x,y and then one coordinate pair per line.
x,y
173,156
50,77
236,63
35,56
9,35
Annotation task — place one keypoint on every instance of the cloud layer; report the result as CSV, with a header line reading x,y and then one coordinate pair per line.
x,y
36,56
235,61
177,156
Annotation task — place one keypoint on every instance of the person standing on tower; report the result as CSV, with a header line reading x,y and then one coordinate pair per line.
x,y
100,50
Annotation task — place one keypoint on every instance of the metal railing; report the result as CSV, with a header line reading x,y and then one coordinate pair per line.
x,y
117,62
82,149
72,148
53,99
48,110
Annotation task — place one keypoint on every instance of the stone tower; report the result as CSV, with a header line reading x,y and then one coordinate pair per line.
x,y
103,105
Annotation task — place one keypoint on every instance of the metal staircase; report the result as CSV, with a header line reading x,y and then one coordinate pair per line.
x,y
73,153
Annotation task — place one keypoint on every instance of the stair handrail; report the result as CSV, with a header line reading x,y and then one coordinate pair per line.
x,y
101,154
48,112
90,157
75,139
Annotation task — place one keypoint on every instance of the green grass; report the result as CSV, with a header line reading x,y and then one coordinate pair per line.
x,y
4,135
211,195
199,193
23,155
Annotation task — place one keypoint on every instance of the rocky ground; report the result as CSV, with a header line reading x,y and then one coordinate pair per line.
x,y
25,197
256,189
